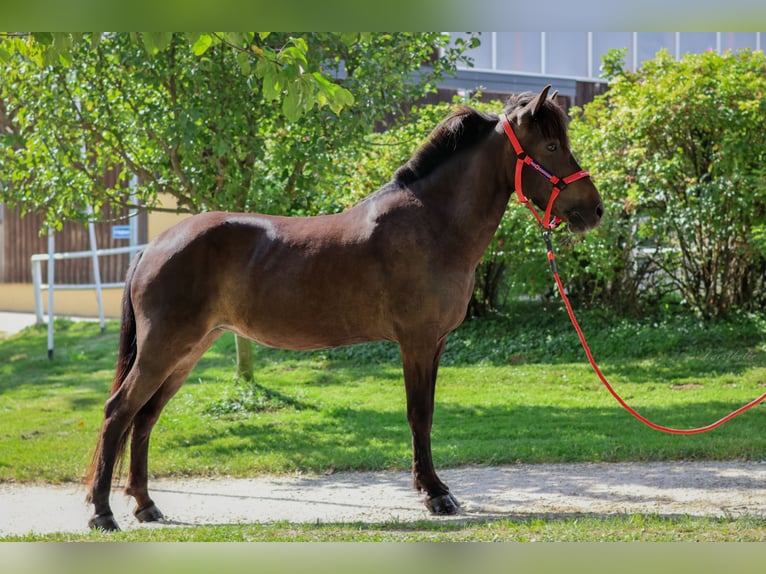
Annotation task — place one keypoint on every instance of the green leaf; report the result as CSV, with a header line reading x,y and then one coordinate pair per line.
x,y
44,38
349,38
202,44
295,54
331,94
148,43
291,105
65,58
239,39
155,42
271,82
191,37
161,39
343,99
243,59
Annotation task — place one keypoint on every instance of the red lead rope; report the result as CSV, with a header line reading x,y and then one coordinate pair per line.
x,y
548,222
631,410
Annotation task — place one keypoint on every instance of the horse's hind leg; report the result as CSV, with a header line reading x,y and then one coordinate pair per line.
x,y
420,364
119,414
137,484
147,375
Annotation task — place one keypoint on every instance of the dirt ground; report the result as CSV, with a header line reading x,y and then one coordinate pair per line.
x,y
518,491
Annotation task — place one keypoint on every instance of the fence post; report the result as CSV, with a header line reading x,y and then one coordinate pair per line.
x,y
37,281
96,267
51,257
133,218
51,251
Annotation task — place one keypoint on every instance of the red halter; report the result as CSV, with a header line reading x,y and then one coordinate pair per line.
x,y
522,159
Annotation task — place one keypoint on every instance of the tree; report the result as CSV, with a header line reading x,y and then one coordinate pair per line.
x,y
239,122
677,150
196,119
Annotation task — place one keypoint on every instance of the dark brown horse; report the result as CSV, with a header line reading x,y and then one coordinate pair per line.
x,y
398,266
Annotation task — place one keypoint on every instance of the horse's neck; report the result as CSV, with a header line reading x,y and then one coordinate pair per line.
x,y
471,195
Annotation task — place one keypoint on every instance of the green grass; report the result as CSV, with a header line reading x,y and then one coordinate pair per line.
x,y
628,528
511,389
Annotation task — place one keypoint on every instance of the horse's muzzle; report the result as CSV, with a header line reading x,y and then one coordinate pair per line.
x,y
580,221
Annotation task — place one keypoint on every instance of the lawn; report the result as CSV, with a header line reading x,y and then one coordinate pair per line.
x,y
513,387
626,528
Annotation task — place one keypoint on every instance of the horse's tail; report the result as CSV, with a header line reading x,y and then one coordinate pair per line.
x,y
126,356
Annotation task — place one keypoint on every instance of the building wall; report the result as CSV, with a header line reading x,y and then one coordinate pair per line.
x,y
18,294
578,55
157,222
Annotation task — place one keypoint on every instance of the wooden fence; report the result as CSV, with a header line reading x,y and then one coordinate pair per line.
x,y
22,239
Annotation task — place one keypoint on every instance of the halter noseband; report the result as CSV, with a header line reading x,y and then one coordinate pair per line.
x,y
522,159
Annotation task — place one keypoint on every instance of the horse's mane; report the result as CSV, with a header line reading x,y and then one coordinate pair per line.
x,y
460,130
465,127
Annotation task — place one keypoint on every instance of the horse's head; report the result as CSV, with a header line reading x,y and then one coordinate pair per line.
x,y
546,164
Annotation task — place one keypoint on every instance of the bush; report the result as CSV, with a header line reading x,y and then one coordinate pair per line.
x,y
677,151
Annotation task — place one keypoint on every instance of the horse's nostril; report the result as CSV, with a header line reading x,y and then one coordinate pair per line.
x,y
599,210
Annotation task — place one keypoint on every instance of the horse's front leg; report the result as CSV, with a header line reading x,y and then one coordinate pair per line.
x,y
420,364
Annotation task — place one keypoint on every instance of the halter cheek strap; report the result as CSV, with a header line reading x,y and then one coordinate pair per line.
x,y
547,221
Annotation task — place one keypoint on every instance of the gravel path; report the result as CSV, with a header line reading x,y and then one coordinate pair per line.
x,y
516,491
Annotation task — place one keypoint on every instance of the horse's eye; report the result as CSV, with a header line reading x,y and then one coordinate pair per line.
x,y
552,147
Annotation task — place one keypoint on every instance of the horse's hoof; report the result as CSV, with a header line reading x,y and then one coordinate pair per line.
x,y
105,522
443,505
148,514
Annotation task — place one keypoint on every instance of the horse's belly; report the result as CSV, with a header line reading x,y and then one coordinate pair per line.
x,y
314,322
302,335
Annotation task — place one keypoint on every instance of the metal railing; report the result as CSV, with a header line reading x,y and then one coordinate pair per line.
x,y
51,257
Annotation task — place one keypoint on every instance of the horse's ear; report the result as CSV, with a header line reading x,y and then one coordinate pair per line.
x,y
535,104
540,99
553,95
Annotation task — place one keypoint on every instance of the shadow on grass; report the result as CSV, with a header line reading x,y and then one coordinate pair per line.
x,y
80,349
528,335
364,439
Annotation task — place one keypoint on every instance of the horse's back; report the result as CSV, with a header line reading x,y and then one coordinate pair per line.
x,y
305,282
286,282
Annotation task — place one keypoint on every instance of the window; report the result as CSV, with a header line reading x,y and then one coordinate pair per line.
x,y
738,40
578,54
566,53
519,51
649,43
698,42
604,41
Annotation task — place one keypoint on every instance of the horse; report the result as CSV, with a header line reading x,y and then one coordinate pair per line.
x,y
397,266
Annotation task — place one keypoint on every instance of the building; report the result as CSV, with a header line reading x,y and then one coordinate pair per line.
x,y
504,63
508,62
20,238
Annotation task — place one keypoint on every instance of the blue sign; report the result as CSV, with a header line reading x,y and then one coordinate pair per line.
x,y
120,231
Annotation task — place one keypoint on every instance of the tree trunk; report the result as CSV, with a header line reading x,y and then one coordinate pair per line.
x,y
244,358
486,293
